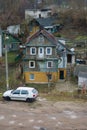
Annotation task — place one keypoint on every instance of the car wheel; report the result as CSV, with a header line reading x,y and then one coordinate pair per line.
x,y
29,100
7,98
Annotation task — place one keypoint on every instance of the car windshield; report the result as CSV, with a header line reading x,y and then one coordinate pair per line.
x,y
12,91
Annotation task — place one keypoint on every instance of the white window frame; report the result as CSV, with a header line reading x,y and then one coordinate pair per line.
x,y
30,64
48,64
31,78
42,50
50,51
32,49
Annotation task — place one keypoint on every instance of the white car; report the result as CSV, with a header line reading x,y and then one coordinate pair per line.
x,y
21,93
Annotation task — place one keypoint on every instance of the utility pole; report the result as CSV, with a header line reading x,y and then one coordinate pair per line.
x,y
6,64
0,43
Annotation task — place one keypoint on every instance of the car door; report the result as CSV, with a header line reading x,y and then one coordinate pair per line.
x,y
15,95
24,94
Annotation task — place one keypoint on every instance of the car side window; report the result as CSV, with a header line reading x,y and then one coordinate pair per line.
x,y
24,92
16,92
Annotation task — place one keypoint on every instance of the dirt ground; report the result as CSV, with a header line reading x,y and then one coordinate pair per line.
x,y
43,115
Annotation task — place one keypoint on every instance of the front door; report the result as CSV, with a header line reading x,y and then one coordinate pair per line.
x,y
61,74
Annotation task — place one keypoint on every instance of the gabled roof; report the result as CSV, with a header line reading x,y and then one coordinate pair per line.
x,y
68,51
44,33
46,21
51,38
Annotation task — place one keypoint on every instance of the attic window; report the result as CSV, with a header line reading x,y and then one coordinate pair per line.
x,y
41,38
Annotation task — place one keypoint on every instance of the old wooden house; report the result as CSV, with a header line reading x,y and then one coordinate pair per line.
x,y
48,24
44,58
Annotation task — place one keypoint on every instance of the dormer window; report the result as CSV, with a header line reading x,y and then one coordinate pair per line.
x,y
33,51
48,51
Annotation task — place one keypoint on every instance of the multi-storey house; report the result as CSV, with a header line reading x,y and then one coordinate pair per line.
x,y
44,59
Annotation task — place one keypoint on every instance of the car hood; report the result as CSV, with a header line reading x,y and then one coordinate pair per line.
x,y
7,93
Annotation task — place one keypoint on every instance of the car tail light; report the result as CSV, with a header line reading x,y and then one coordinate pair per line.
x,y
33,95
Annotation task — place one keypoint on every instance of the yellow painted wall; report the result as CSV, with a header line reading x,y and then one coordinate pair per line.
x,y
41,77
35,29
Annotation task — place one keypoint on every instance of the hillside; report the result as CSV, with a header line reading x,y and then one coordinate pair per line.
x,y
12,12
72,32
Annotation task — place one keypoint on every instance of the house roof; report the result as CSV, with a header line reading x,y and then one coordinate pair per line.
x,y
50,36
13,29
46,21
68,51
12,38
44,33
82,74
80,68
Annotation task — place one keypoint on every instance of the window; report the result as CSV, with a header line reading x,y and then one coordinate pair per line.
x,y
48,51
41,38
31,76
16,92
31,64
34,91
33,51
24,92
50,76
49,64
41,51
